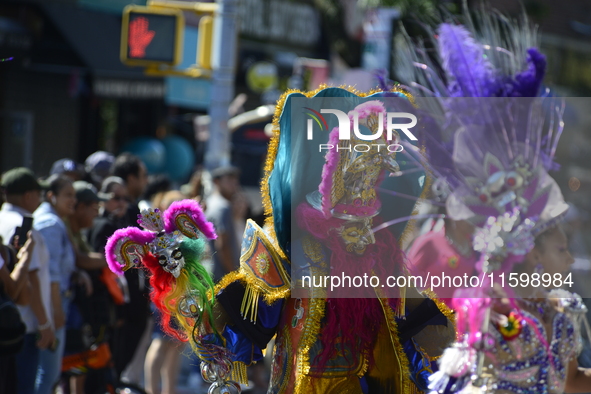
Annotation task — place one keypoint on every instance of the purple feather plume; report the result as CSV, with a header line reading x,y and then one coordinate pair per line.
x,y
383,82
470,74
527,83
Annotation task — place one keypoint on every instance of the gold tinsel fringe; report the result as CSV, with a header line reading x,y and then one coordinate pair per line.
x,y
225,282
414,389
406,383
309,336
239,372
365,361
253,291
250,303
443,308
401,309
311,330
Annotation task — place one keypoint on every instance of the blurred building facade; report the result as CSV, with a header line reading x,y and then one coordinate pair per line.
x,y
65,93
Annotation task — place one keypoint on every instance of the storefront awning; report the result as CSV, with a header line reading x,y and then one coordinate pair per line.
x,y
95,36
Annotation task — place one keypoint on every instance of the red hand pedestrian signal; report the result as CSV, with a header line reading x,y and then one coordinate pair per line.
x,y
151,36
139,37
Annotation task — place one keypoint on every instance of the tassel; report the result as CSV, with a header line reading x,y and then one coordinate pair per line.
x,y
414,389
250,303
401,309
239,372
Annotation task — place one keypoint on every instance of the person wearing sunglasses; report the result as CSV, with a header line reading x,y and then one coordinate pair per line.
x,y
112,214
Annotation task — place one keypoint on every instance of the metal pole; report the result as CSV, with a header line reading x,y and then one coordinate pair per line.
x,y
222,83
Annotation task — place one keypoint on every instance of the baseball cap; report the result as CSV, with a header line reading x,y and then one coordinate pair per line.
x,y
86,192
19,181
66,165
225,170
99,163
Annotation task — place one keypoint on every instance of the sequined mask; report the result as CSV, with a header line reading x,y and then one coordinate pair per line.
x,y
171,258
357,236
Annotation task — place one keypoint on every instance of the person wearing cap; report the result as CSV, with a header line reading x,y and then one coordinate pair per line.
x,y
49,221
112,212
219,212
98,166
67,167
23,195
94,309
85,211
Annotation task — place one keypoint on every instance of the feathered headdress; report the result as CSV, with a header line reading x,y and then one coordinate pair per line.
x,y
350,178
161,237
343,205
495,139
170,246
495,136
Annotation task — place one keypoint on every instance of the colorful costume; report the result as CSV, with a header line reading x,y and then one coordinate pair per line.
x,y
326,343
170,247
496,145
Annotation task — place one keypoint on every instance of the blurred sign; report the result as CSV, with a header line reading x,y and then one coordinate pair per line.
x,y
309,74
128,89
378,38
151,36
261,77
190,93
285,22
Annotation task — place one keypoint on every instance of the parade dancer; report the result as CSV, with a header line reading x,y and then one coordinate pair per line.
x,y
504,129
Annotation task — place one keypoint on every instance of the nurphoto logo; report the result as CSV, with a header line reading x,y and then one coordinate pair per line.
x,y
345,121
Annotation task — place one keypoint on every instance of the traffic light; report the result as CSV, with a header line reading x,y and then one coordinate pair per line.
x,y
151,36
204,45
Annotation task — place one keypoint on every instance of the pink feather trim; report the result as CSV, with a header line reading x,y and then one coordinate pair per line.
x,y
332,157
370,107
191,208
134,234
332,161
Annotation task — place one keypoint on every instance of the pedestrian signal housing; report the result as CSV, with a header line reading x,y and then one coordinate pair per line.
x,y
151,36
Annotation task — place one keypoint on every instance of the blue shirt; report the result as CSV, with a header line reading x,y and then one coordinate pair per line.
x,y
219,212
62,259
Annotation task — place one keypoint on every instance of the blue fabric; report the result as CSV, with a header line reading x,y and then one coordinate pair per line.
x,y
74,318
419,364
242,348
50,365
50,361
268,315
27,361
62,260
364,385
212,339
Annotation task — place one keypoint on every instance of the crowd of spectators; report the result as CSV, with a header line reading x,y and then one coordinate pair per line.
x,y
85,329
